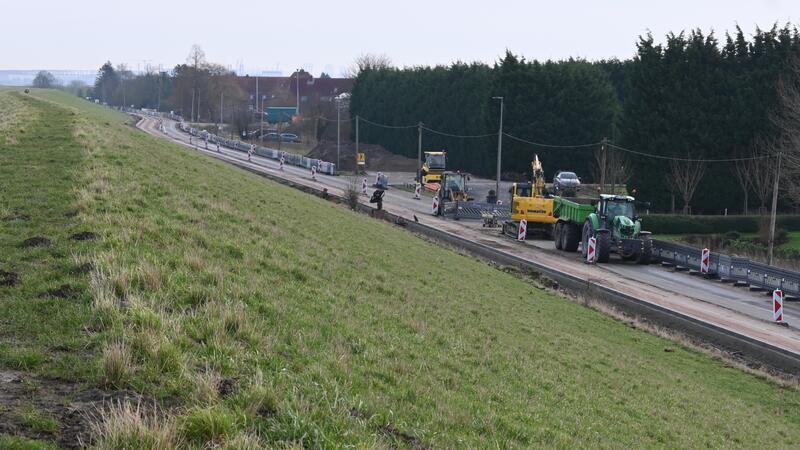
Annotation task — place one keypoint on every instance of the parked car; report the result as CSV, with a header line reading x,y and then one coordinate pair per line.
x,y
566,182
290,137
271,136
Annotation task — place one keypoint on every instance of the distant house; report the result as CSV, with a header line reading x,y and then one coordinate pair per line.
x,y
317,95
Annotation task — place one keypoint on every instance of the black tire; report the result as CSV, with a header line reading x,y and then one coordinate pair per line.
x,y
647,251
557,235
603,246
571,237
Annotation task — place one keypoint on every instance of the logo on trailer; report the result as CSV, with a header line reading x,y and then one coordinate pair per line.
x,y
777,306
591,251
704,260
523,230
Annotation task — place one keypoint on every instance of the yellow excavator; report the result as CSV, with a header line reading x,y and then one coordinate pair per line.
x,y
531,202
433,167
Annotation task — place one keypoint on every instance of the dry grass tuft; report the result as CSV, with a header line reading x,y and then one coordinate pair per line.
x,y
128,426
117,367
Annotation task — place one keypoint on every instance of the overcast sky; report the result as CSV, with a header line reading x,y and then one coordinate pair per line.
x,y
328,35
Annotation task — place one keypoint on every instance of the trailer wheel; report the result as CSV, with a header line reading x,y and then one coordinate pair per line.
x,y
571,237
647,251
603,246
557,235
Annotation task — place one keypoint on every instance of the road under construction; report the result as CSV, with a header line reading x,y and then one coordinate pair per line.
x,y
740,319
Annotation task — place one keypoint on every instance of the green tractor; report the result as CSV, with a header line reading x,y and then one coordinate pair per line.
x,y
617,229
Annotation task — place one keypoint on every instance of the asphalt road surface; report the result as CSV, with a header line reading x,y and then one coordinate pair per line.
x,y
723,305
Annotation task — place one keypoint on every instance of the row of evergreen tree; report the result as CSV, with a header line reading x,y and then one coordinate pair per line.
x,y
692,96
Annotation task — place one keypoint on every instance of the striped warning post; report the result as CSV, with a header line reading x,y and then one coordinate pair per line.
x,y
364,187
522,232
777,306
705,257
435,206
591,250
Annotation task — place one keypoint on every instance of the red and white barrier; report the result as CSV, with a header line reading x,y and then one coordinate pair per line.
x,y
591,251
435,206
417,191
705,257
281,167
522,232
777,305
314,173
364,187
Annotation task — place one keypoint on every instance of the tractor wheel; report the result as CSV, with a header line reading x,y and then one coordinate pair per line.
x,y
603,246
647,251
557,235
571,237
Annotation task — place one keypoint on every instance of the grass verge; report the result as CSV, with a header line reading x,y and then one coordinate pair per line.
x,y
258,316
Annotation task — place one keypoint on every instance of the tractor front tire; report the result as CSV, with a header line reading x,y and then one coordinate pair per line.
x,y
603,246
647,251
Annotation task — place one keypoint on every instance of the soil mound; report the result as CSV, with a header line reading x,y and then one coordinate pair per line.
x,y
84,236
378,158
8,278
36,241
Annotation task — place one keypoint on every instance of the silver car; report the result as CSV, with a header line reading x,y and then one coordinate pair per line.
x,y
566,181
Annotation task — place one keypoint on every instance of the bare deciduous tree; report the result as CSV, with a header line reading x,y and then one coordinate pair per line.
x,y
762,172
742,171
367,61
612,168
683,178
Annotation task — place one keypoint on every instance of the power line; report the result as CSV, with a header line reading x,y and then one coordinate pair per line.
x,y
539,144
463,136
701,160
387,126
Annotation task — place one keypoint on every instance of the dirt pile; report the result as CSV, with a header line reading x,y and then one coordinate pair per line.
x,y
378,158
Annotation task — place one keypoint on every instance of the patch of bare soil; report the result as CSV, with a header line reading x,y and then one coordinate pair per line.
x,y
84,236
63,291
8,278
226,387
409,439
36,241
72,405
378,158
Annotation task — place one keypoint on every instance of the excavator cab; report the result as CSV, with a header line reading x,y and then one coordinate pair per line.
x,y
454,187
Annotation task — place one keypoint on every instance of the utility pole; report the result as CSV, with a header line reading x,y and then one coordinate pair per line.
x,y
256,97
221,96
774,210
419,152
357,120
338,131
603,164
261,124
191,119
499,147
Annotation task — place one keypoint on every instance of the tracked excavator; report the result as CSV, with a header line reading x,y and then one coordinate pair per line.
x,y
530,201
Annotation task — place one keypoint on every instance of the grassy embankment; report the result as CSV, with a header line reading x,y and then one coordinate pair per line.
x,y
257,316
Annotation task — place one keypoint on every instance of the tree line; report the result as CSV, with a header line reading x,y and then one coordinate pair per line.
x,y
693,97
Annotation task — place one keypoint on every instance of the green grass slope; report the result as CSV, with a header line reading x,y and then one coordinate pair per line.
x,y
259,316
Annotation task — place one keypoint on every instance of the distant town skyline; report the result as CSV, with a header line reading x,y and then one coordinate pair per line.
x,y
327,36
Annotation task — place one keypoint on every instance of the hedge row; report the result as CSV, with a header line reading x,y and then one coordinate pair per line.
x,y
681,224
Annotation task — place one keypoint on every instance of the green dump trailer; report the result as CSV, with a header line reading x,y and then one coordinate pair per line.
x,y
571,215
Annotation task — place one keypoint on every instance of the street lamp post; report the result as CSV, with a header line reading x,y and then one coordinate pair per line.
x,y
338,130
261,124
297,109
499,146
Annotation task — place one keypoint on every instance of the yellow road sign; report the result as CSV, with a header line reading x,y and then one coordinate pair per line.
x,y
361,158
